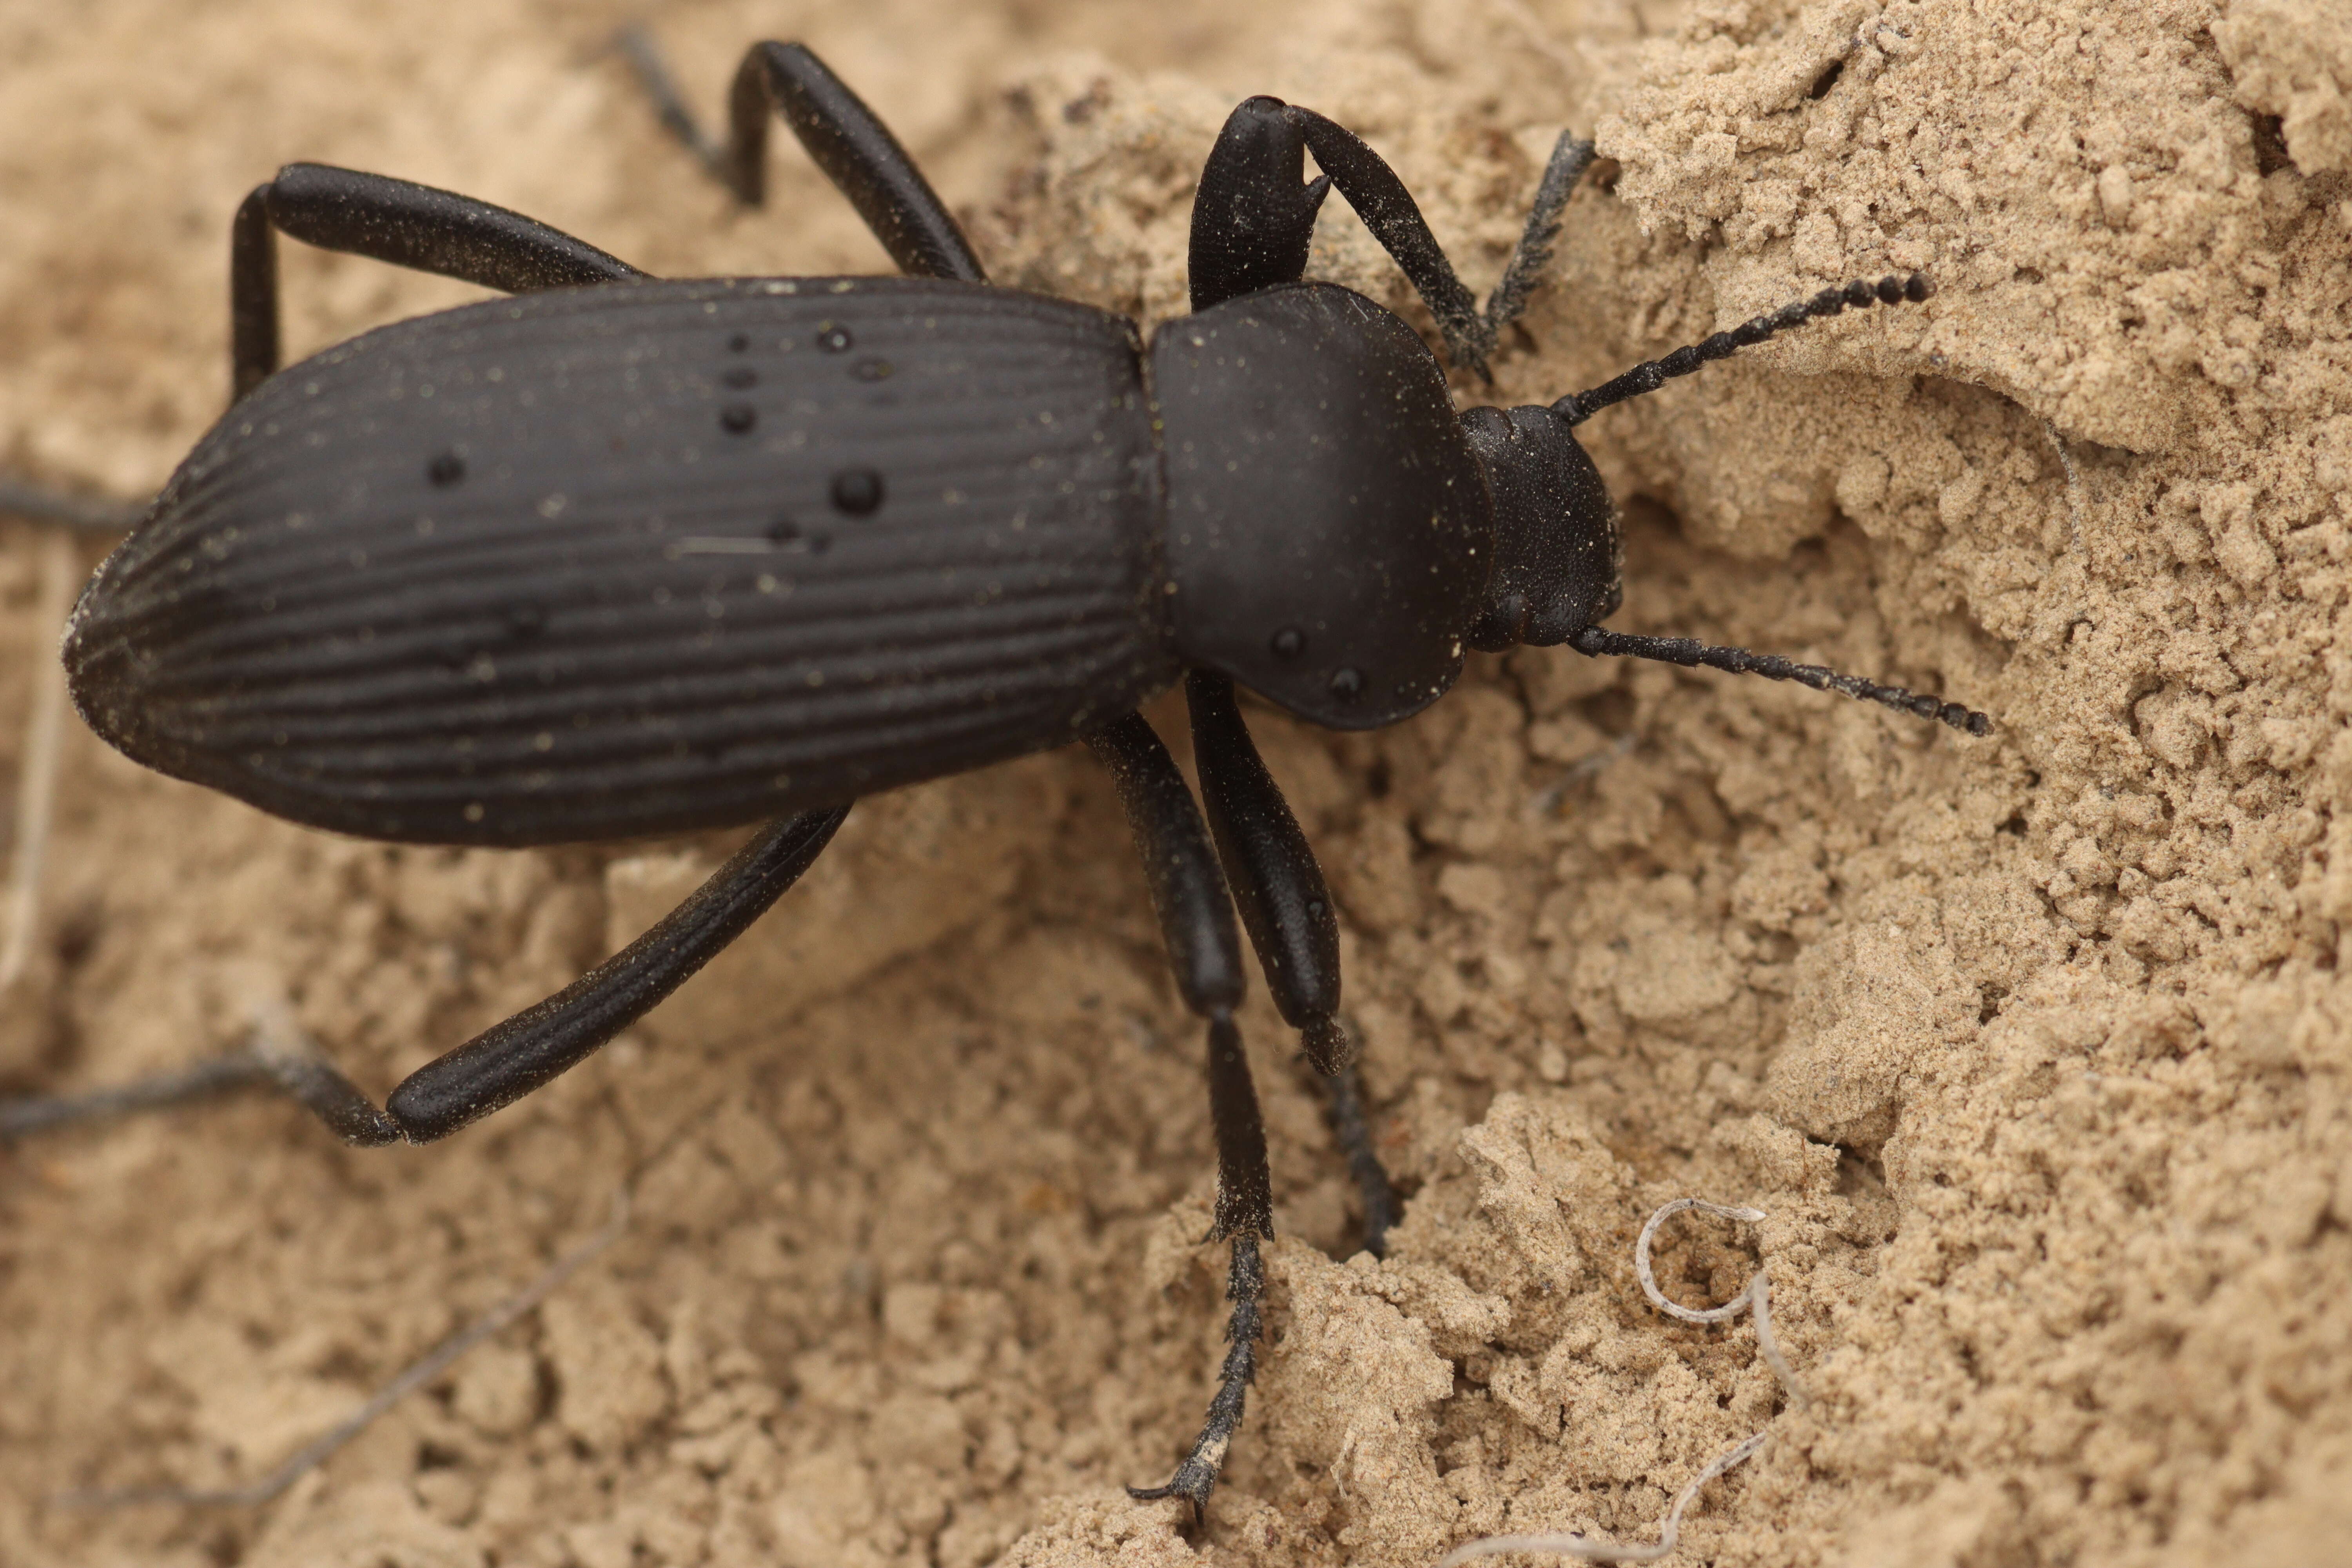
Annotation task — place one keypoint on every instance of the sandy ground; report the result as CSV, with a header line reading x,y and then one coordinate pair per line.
x,y
2034,1049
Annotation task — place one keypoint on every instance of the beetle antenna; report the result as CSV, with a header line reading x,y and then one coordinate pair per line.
x,y
1651,374
1690,654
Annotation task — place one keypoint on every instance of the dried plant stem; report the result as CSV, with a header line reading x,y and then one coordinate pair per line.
x,y
36,773
316,1452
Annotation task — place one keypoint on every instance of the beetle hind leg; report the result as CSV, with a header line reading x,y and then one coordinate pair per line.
x,y
395,221
1196,918
1287,909
509,1060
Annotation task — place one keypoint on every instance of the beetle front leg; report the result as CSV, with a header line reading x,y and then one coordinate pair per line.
x,y
1287,908
1253,214
1252,219
1196,918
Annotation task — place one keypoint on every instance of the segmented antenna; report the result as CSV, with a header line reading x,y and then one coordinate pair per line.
x,y
1651,374
1690,654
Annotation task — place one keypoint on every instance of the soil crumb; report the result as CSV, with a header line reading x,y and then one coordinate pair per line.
x,y
2034,1050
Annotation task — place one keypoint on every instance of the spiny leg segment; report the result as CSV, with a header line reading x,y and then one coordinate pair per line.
x,y
1196,920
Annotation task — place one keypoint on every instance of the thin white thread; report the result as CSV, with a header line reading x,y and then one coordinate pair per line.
x,y
1669,1539
1756,1299
2074,485
1730,1309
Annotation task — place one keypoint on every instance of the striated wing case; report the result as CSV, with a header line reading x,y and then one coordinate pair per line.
x,y
642,559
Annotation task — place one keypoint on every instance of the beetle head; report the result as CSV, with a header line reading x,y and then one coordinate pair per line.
x,y
1556,568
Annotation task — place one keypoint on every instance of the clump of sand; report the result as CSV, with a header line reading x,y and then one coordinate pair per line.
x,y
2032,1049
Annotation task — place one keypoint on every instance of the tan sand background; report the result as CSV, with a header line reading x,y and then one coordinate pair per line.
x,y
2034,1050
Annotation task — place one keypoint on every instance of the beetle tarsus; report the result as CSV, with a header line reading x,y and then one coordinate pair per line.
x,y
92,513
42,1113
636,45
1353,1131
1196,1477
322,1090
1245,1214
1569,158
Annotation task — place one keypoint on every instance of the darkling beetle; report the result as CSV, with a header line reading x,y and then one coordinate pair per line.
x,y
623,556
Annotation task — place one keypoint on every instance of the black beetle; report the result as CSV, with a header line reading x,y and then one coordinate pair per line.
x,y
623,556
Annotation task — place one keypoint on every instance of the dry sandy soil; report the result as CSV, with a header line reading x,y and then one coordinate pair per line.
x,y
2034,1050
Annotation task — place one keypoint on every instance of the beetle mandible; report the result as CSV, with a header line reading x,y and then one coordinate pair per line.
x,y
621,556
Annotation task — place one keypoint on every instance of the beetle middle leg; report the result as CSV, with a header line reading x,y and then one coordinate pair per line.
x,y
842,137
1287,911
1196,918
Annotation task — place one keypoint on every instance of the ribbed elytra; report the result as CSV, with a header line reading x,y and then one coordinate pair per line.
x,y
287,672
